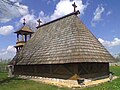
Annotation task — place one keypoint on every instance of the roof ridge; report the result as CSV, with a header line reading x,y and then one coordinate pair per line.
x,y
73,13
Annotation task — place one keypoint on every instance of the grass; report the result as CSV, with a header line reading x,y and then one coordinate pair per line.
x,y
7,83
3,76
2,64
21,84
115,70
114,85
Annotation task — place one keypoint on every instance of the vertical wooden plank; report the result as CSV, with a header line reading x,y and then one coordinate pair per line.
x,y
108,68
75,66
50,69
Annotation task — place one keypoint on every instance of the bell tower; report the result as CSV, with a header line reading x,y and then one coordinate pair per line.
x,y
23,35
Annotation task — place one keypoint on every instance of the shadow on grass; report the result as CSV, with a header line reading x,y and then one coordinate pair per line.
x,y
9,79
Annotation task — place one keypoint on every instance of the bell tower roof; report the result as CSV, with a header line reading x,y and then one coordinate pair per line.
x,y
24,30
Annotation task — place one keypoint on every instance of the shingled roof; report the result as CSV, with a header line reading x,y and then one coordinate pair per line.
x,y
64,40
24,29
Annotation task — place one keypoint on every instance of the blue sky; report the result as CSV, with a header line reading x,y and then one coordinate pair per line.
x,y
100,16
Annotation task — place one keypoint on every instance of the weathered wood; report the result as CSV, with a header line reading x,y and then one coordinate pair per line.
x,y
66,71
65,40
76,68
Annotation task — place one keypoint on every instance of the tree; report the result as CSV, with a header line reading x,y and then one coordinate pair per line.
x,y
118,57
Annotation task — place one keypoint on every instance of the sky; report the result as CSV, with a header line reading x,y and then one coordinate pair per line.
x,y
101,17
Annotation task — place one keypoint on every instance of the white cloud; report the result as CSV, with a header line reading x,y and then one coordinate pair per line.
x,y
5,30
9,11
115,42
30,20
7,53
44,18
108,13
64,7
98,12
11,49
97,15
23,10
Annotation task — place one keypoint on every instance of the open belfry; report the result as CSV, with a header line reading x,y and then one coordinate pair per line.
x,y
63,48
23,35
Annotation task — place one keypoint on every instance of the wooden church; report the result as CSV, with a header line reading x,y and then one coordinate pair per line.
x,y
63,48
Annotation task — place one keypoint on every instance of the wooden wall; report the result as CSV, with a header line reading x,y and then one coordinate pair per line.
x,y
64,71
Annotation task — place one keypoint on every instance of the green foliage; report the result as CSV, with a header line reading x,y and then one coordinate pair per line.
x,y
2,64
3,67
118,57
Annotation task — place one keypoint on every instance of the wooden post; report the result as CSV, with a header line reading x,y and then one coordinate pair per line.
x,y
17,49
30,36
25,38
17,37
22,37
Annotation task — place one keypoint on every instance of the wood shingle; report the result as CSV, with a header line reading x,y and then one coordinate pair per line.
x,y
64,40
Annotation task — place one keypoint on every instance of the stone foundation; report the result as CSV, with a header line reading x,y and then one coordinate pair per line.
x,y
67,83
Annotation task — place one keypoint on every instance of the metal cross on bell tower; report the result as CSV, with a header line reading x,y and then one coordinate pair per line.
x,y
24,21
74,5
39,22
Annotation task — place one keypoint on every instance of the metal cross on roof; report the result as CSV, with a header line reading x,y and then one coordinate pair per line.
x,y
39,22
24,21
74,5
